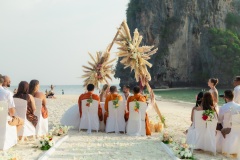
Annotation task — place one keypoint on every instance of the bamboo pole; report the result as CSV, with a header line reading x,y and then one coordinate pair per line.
x,y
111,44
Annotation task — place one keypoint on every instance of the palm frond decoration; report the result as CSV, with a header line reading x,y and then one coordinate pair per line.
x,y
136,57
99,69
133,55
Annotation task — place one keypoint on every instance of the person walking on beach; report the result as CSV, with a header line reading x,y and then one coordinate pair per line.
x,y
88,95
5,95
236,92
112,96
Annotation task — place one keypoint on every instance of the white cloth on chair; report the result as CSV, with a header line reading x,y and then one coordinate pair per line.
x,y
89,119
102,125
21,109
202,135
136,123
71,117
115,121
231,143
42,125
8,134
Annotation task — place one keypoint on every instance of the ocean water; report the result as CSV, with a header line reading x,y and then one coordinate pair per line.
x,y
176,94
68,89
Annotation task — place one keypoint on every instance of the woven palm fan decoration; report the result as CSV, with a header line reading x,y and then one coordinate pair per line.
x,y
136,57
99,70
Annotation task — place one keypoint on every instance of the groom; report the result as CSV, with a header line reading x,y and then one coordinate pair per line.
x,y
90,88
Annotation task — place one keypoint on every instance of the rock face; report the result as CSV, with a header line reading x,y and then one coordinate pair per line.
x,y
179,28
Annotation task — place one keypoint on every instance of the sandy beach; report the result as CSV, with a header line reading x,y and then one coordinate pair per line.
x,y
81,145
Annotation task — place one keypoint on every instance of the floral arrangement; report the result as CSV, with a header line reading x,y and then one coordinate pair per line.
x,y
89,101
182,150
115,103
46,142
137,106
60,130
166,138
99,70
208,115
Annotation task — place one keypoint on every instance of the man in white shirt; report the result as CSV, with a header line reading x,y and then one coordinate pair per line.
x,y
236,91
126,93
230,106
5,95
7,83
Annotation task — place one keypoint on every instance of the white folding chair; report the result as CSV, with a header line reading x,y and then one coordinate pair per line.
x,y
71,117
89,119
102,125
21,109
231,143
8,134
42,125
136,123
115,121
204,133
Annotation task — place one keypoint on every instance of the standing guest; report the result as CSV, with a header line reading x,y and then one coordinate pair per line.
x,y
6,96
126,93
139,97
104,92
113,95
87,95
62,92
212,82
34,91
236,91
31,108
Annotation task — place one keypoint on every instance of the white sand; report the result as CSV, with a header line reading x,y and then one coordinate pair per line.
x,y
110,146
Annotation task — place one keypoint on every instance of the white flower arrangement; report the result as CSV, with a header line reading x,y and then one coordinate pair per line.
x,y
182,150
166,138
46,142
60,130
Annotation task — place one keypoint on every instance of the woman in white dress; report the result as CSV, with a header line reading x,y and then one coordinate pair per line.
x,y
212,82
104,92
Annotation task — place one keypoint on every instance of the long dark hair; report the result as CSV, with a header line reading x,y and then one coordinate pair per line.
x,y
22,90
207,101
199,99
32,86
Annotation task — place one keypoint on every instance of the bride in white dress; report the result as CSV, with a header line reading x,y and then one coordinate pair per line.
x,y
212,82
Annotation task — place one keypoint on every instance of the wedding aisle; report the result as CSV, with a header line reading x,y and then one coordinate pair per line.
x,y
83,146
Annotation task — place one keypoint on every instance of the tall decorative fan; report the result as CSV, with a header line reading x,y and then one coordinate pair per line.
x,y
99,70
136,56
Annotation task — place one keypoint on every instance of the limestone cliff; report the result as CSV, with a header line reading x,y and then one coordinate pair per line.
x,y
180,29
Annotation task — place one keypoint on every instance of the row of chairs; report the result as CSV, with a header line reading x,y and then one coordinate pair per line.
x,y
203,135
8,134
115,121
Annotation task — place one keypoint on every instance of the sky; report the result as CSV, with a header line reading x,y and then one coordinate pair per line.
x,y
49,40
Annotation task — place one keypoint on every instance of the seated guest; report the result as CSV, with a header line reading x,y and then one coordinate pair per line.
x,y
113,95
229,106
31,108
207,103
225,120
139,97
34,91
87,95
198,103
104,92
5,95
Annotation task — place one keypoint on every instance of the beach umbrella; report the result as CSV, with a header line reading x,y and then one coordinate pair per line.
x,y
136,57
99,69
